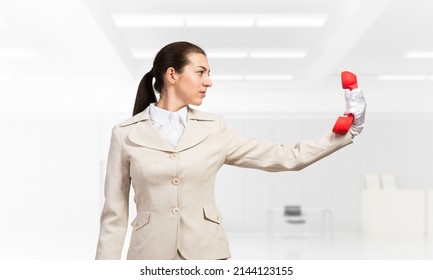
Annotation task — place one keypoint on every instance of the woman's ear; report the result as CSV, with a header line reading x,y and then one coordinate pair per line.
x,y
171,75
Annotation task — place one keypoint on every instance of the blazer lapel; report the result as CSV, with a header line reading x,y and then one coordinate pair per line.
x,y
144,134
194,132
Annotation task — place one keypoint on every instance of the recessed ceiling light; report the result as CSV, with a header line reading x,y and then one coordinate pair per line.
x,y
42,77
268,77
419,55
227,78
226,54
219,21
136,53
271,54
401,77
254,54
142,54
6,77
292,20
18,53
32,77
138,20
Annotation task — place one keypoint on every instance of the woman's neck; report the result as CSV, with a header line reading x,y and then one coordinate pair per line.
x,y
169,104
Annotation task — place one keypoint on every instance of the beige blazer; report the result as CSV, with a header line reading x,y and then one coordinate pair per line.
x,y
174,187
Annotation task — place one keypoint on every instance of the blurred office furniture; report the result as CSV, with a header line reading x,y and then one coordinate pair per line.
x,y
429,217
372,181
293,214
294,217
379,181
393,212
388,210
279,218
388,181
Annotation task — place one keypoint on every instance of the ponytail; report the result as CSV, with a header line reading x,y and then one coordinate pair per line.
x,y
145,93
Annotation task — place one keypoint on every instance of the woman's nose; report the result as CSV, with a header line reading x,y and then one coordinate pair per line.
x,y
207,82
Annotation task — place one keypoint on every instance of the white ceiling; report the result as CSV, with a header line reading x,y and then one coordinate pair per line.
x,y
60,55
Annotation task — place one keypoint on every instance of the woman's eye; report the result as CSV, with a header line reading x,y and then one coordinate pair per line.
x,y
200,72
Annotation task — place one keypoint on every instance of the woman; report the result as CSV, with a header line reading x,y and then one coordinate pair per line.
x,y
171,154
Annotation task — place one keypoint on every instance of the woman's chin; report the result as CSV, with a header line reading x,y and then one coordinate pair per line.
x,y
197,102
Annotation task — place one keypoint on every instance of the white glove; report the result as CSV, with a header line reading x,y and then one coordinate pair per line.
x,y
355,105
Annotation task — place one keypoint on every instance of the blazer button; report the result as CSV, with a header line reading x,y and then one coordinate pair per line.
x,y
173,156
175,181
175,210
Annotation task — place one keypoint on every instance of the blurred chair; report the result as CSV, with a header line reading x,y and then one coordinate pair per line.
x,y
388,181
293,215
372,181
293,219
382,181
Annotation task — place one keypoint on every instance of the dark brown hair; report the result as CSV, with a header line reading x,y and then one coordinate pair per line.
x,y
173,55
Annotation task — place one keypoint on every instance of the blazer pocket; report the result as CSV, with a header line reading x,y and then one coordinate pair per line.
x,y
140,220
212,214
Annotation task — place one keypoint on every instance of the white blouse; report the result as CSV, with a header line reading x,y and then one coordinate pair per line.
x,y
170,124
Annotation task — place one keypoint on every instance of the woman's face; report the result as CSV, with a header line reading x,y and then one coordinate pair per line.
x,y
193,82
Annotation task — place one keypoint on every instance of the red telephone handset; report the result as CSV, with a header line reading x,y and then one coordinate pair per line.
x,y
343,123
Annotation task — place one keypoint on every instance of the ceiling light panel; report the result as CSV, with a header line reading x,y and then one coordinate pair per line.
x,y
142,54
419,55
293,20
268,77
42,77
32,77
401,77
137,20
227,78
6,77
272,54
219,20
18,53
226,54
252,78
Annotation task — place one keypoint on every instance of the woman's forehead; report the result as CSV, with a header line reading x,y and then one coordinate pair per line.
x,y
198,59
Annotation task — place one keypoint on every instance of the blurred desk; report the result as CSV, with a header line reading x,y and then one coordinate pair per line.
x,y
325,218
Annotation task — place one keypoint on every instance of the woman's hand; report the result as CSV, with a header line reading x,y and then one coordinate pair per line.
x,y
355,105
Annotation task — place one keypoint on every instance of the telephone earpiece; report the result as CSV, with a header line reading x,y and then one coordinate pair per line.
x,y
343,123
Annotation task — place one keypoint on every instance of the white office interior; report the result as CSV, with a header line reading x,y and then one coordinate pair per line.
x,y
69,72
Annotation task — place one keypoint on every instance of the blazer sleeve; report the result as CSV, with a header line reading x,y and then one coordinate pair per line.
x,y
114,217
268,156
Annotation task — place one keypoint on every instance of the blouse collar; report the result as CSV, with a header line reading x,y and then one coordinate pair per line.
x,y
162,117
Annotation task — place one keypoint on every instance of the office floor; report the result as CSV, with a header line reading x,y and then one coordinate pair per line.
x,y
254,247
338,247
